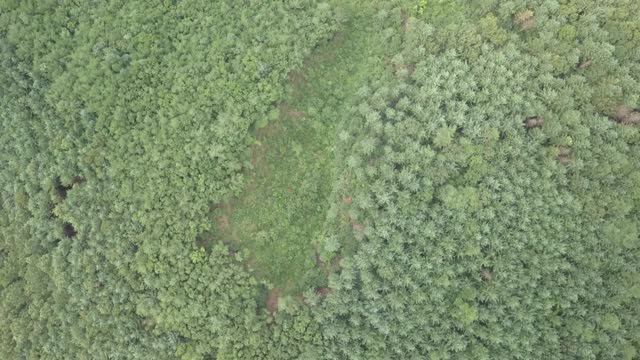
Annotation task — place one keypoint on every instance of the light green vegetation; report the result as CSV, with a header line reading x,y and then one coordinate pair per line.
x,y
357,179
278,221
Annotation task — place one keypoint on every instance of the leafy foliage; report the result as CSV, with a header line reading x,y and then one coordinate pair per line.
x,y
152,106
466,172
485,239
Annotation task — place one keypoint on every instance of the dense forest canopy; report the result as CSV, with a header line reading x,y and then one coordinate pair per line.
x,y
302,179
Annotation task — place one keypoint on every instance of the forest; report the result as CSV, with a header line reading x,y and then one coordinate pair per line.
x,y
320,179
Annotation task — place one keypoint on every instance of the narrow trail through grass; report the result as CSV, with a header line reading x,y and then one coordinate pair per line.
x,y
277,221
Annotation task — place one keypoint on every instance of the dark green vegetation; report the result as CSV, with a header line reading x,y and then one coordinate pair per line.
x,y
360,179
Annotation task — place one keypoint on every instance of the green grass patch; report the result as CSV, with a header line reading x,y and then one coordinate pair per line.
x,y
282,211
278,222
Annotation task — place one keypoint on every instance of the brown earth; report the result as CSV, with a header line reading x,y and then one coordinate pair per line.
x,y
272,300
404,15
323,292
287,111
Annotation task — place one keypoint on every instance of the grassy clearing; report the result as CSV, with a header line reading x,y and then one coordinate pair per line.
x,y
282,211
279,218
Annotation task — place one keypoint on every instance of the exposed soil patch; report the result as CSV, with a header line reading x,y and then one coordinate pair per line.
x,y
225,231
585,65
297,79
321,264
272,129
223,223
626,116
408,68
405,19
486,274
287,111
564,155
257,158
356,226
272,300
322,292
533,122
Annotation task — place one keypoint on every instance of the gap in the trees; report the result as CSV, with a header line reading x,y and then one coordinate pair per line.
x,y
68,230
62,189
278,221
